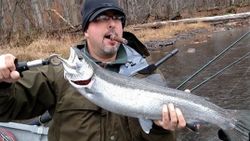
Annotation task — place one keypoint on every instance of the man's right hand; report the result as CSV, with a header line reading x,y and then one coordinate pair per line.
x,y
8,71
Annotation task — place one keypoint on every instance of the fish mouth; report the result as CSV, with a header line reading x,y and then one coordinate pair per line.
x,y
82,82
79,77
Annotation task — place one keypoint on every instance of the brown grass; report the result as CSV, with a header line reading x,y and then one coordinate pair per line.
x,y
167,31
44,46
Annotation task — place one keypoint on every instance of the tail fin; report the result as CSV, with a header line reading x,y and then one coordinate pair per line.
x,y
241,131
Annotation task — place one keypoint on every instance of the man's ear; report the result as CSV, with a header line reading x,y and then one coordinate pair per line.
x,y
86,35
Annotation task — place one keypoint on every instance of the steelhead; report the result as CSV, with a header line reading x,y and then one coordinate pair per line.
x,y
140,99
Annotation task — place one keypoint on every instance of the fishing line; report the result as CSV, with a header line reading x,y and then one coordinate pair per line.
x,y
211,61
240,80
220,71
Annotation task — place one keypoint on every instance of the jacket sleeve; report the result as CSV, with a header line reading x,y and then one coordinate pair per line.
x,y
30,96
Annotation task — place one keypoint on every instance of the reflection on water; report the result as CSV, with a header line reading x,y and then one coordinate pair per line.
x,y
229,90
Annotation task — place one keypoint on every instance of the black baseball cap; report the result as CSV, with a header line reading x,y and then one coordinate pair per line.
x,y
92,8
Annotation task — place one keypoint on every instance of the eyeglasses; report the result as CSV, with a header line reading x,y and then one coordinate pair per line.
x,y
105,18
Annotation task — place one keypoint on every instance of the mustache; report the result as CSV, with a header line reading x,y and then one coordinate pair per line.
x,y
111,33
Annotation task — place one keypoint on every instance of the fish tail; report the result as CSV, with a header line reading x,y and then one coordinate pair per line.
x,y
241,132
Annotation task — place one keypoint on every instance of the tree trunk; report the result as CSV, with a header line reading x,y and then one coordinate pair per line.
x,y
34,14
195,20
38,14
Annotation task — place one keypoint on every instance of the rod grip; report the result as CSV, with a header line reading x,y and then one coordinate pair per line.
x,y
21,66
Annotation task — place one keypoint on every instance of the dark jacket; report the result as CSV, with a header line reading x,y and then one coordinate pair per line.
x,y
74,117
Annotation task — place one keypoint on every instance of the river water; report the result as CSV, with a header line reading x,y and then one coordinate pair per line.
x,y
230,90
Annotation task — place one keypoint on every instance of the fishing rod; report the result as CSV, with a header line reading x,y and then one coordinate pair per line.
x,y
240,80
23,66
152,67
26,65
211,61
220,71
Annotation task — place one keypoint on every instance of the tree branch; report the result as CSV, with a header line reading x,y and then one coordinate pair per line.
x,y
61,17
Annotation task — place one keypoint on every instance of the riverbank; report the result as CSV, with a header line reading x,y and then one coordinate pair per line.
x,y
158,35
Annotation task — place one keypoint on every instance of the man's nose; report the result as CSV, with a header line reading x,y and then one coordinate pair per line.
x,y
111,23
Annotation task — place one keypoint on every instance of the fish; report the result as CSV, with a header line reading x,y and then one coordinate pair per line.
x,y
140,99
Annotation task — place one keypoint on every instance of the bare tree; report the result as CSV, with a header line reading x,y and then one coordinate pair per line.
x,y
1,15
38,14
50,15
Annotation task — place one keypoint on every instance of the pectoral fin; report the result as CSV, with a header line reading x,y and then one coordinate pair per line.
x,y
195,125
146,125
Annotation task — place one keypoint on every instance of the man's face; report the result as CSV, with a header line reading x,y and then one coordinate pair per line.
x,y
99,31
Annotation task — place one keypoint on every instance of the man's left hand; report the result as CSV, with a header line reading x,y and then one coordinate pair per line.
x,y
172,118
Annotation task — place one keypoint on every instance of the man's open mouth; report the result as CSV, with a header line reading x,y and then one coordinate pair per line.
x,y
116,38
108,36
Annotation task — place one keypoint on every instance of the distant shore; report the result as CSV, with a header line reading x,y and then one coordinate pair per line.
x,y
213,24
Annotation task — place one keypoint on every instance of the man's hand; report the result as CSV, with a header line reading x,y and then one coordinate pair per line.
x,y
8,71
172,118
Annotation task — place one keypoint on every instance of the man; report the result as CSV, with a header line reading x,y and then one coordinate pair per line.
x,y
74,117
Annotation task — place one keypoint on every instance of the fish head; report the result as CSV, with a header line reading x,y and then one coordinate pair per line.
x,y
76,71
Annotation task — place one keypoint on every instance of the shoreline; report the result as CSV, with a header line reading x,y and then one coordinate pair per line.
x,y
216,24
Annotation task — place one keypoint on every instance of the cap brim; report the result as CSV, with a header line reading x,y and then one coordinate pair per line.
x,y
98,12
